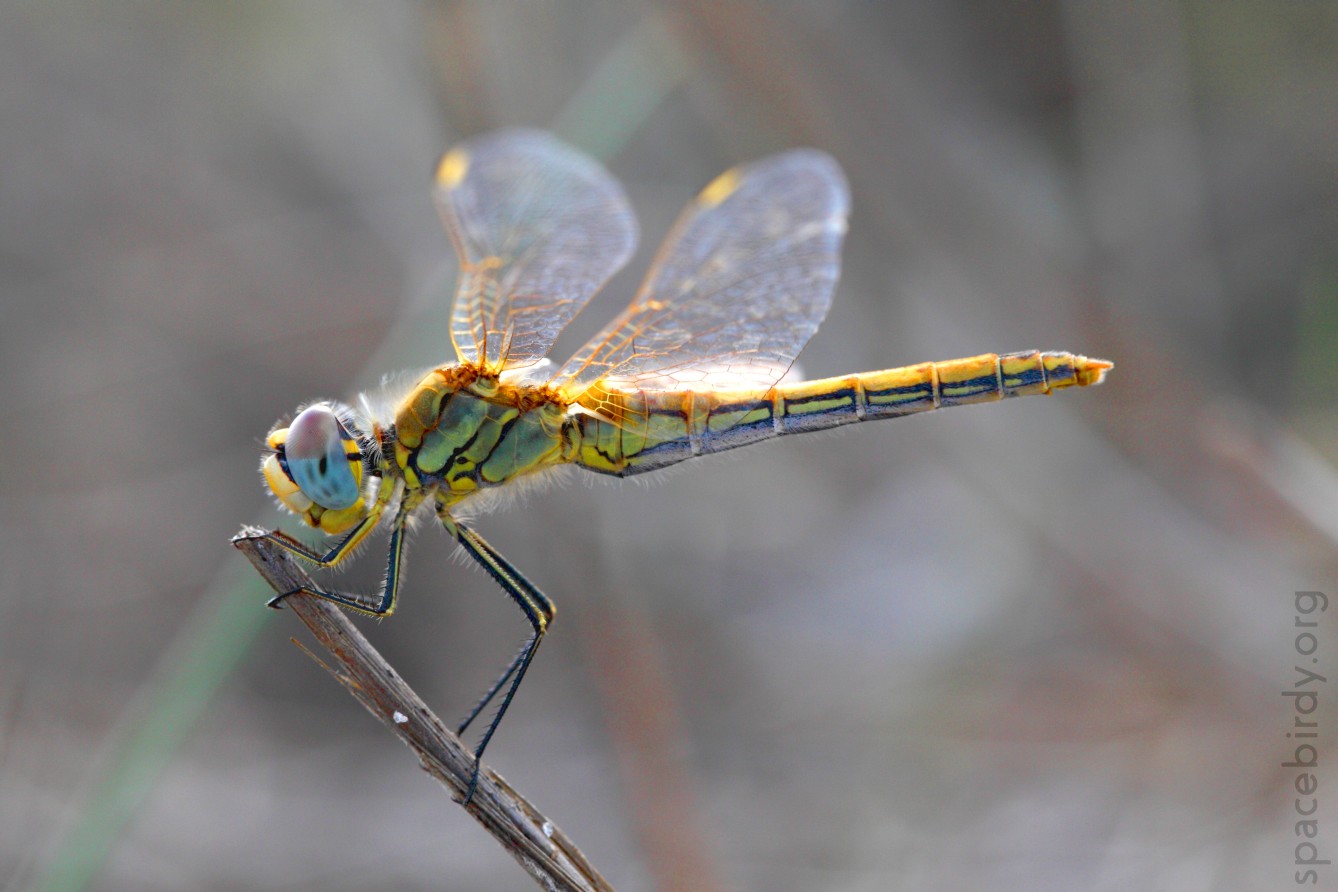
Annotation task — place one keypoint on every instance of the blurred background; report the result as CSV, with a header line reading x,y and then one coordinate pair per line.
x,y
1031,645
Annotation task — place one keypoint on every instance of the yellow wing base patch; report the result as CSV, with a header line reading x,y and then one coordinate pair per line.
x,y
452,169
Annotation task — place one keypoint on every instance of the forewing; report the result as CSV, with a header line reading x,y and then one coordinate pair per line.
x,y
539,227
742,283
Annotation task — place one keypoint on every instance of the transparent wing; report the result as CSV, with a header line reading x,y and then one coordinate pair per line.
x,y
742,283
538,227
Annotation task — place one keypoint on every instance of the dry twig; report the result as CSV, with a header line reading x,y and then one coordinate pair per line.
x,y
541,848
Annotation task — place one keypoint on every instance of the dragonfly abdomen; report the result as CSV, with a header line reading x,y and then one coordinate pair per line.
x,y
892,393
655,429
975,379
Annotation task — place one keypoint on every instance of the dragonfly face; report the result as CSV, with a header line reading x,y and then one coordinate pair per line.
x,y
316,468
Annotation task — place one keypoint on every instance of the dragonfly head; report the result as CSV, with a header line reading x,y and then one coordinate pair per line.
x,y
316,467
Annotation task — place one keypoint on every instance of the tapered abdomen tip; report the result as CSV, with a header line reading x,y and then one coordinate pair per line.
x,y
1090,371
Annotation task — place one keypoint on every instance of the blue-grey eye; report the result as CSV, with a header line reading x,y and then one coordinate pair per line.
x,y
317,459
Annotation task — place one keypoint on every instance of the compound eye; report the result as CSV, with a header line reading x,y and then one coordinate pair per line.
x,y
323,459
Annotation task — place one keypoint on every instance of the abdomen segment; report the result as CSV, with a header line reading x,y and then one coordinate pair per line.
x,y
659,428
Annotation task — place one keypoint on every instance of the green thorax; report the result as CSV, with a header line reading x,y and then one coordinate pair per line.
x,y
460,431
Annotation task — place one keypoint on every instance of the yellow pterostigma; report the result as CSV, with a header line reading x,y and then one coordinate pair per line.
x,y
692,367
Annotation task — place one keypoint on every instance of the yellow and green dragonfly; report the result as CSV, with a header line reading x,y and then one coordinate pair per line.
x,y
692,367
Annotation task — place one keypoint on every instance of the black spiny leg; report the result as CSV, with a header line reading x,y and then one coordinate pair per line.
x,y
384,602
335,555
537,609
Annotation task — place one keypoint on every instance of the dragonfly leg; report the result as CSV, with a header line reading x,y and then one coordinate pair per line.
x,y
536,606
341,550
346,546
383,603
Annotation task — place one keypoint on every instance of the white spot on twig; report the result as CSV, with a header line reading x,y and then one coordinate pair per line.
x,y
399,717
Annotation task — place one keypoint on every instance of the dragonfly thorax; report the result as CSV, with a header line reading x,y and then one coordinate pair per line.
x,y
462,430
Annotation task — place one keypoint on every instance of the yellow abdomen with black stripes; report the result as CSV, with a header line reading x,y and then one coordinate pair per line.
x,y
652,429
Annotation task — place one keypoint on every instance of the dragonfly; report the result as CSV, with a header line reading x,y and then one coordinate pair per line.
x,y
692,367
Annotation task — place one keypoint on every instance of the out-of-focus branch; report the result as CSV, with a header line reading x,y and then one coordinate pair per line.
x,y
534,841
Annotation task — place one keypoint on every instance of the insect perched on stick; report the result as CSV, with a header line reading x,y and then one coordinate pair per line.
x,y
693,366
